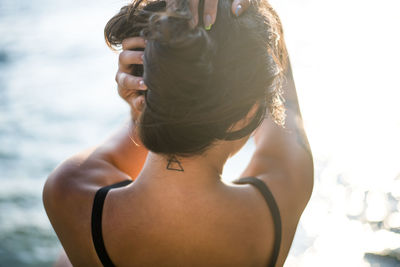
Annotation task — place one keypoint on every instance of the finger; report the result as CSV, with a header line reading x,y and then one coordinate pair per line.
x,y
127,81
194,9
138,103
210,13
133,42
128,57
239,6
125,68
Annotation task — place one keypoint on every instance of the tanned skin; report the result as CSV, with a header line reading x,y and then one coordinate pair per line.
x,y
181,204
282,160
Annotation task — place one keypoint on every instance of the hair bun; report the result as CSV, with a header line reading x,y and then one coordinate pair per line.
x,y
174,30
200,82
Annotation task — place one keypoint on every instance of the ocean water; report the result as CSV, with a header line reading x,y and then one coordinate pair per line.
x,y
58,96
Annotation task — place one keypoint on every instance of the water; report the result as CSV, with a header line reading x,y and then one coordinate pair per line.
x,y
58,96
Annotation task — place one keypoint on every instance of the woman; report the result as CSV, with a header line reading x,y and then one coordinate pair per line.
x,y
203,93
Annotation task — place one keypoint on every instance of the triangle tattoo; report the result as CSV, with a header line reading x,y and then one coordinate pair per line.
x,y
174,164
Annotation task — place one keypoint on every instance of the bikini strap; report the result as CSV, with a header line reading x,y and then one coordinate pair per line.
x,y
97,212
269,198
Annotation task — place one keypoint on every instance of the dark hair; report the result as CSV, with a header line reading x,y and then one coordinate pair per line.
x,y
201,82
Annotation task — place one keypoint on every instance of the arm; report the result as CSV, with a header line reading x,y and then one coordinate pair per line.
x,y
69,190
121,156
116,159
284,151
283,160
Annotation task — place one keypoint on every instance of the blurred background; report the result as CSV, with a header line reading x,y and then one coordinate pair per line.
x,y
58,96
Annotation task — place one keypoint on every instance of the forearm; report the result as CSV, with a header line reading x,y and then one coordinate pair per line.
x,y
124,151
290,93
274,140
294,120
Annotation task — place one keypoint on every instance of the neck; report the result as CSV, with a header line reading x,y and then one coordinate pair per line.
x,y
205,169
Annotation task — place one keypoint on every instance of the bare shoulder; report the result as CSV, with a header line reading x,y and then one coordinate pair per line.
x,y
81,174
291,186
68,198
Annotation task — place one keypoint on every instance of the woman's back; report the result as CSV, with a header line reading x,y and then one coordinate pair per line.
x,y
224,226
162,224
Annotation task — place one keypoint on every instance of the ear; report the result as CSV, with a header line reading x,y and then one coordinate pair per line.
x,y
246,120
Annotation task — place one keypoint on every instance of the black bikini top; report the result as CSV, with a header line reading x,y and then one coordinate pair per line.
x,y
101,194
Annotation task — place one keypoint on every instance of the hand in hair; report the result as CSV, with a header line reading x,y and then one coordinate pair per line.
x,y
128,84
210,10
